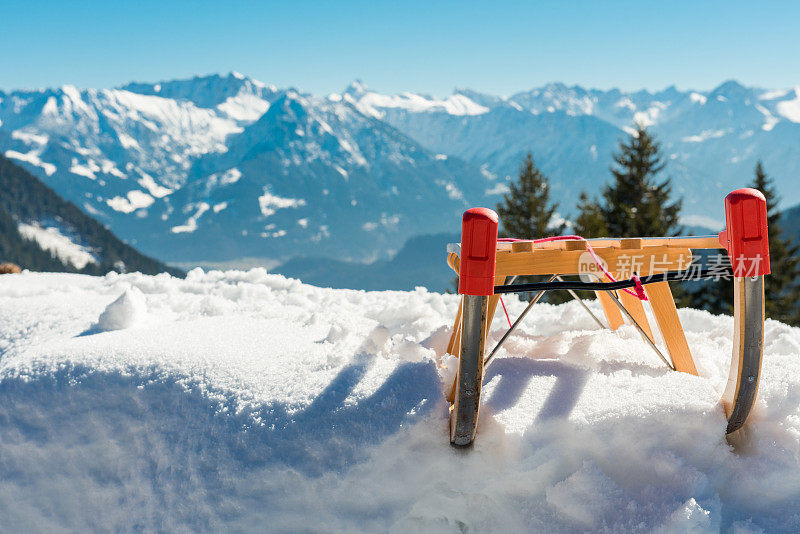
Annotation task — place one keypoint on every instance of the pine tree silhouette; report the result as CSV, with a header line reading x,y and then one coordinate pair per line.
x,y
526,212
635,203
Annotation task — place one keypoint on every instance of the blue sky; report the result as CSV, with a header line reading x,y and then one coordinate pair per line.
x,y
499,47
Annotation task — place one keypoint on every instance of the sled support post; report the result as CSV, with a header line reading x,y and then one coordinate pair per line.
x,y
476,280
669,324
747,241
613,315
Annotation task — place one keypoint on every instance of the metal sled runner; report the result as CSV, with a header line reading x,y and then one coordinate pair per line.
x,y
628,271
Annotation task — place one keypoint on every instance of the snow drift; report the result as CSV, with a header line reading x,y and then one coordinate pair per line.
x,y
246,401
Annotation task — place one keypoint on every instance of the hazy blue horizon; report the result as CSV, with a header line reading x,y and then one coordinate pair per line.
x,y
321,47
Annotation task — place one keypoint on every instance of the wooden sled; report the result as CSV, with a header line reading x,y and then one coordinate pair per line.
x,y
485,265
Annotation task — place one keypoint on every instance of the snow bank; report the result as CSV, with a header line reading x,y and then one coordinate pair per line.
x,y
250,402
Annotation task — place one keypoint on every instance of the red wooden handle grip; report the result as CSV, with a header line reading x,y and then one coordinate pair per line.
x,y
478,252
745,236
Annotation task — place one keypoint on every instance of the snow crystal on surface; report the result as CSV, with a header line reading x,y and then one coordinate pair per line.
x,y
244,401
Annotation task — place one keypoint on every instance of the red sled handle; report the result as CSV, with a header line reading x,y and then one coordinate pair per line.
x,y
478,252
745,236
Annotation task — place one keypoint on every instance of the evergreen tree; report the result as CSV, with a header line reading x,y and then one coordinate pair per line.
x,y
635,203
527,213
590,221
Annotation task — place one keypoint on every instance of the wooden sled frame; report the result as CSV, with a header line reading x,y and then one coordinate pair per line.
x,y
484,264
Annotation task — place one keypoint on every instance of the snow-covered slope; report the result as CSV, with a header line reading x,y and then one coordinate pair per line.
x,y
235,95
243,401
317,176
59,243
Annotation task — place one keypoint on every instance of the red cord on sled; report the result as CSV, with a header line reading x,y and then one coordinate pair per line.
x,y
639,290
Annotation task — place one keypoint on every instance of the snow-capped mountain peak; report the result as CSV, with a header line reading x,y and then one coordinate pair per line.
x,y
356,88
376,104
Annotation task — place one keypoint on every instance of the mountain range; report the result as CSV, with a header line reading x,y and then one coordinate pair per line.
x,y
223,167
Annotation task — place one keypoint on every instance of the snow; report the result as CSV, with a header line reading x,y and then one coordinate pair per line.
x,y
650,116
191,223
268,203
773,94
705,135
126,141
87,170
31,138
373,104
244,107
386,221
231,176
770,120
626,103
341,171
32,157
244,401
125,312
184,129
452,190
152,187
697,98
133,201
790,109
61,245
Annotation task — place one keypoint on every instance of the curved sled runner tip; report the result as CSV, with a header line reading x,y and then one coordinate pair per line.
x,y
748,350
